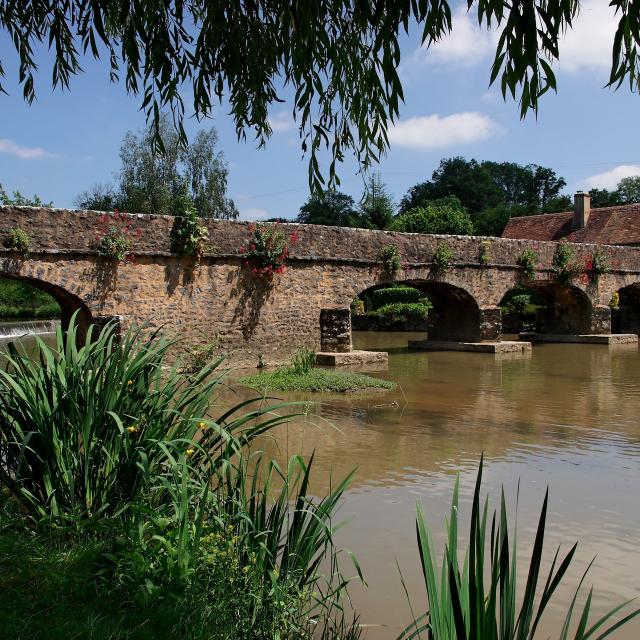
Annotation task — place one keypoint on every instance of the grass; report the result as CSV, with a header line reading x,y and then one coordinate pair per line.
x,y
314,380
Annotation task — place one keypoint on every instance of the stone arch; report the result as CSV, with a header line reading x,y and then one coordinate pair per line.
x,y
564,309
69,303
625,317
455,315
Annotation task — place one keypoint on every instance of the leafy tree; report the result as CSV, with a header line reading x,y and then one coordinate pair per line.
x,y
340,58
18,200
604,198
376,207
557,204
629,189
150,182
330,207
445,216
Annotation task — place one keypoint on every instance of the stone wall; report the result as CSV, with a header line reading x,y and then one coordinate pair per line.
x,y
328,266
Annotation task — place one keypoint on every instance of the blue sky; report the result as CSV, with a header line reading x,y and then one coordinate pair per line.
x,y
67,141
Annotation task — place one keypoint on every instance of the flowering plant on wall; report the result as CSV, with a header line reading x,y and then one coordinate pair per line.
x,y
267,250
115,239
596,265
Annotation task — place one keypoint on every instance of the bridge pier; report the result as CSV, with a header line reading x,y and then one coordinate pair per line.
x,y
336,347
490,325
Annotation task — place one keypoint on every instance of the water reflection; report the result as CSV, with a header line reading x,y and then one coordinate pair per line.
x,y
565,417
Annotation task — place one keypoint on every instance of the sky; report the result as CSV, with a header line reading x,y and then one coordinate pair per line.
x,y
67,141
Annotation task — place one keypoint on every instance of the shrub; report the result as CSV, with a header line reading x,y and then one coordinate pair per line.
x,y
614,303
443,257
18,240
399,293
596,265
462,600
357,306
445,216
267,251
483,254
115,238
402,311
564,264
202,355
528,260
188,236
389,256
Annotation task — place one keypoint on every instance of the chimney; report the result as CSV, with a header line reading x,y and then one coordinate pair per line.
x,y
581,210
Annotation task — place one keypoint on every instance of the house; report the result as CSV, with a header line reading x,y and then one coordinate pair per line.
x,y
618,225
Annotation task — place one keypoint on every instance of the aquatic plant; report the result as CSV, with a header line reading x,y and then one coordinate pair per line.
x,y
465,603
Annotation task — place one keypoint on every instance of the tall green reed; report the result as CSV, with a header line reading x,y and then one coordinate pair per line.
x,y
468,603
85,429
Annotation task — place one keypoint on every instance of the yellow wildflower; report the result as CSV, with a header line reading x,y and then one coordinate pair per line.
x,y
203,426
190,452
133,428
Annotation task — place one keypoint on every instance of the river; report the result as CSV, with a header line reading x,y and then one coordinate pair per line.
x,y
564,417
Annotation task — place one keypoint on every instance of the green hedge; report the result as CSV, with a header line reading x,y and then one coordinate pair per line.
x,y
402,311
394,295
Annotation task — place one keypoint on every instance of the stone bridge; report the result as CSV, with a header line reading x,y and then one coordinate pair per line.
x,y
218,297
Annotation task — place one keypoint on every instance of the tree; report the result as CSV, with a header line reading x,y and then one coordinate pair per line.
x,y
604,198
629,189
340,58
445,216
329,207
150,182
376,207
18,200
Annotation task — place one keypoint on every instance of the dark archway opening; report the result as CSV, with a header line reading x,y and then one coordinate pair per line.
x,y
625,310
546,307
28,298
453,314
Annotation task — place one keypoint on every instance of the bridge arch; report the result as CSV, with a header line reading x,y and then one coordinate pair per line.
x,y
455,315
625,311
559,308
68,302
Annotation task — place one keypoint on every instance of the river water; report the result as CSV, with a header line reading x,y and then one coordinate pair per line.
x,y
564,417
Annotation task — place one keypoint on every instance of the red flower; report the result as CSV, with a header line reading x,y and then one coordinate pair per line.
x,y
294,237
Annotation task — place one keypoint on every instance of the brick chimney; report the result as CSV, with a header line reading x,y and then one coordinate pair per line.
x,y
581,209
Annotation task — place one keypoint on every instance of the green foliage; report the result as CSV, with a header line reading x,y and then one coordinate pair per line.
x,y
465,602
491,192
443,216
443,257
484,257
18,200
125,407
391,261
629,189
302,361
564,263
201,356
597,265
376,207
166,183
402,311
605,198
188,236
528,260
614,303
314,380
267,250
164,51
18,240
21,300
115,239
391,295
331,208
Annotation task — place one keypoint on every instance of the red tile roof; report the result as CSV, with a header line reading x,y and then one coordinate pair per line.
x,y
607,225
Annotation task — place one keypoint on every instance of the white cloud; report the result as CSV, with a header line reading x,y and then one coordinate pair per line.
x,y
435,132
587,47
466,45
24,153
282,121
610,179
254,213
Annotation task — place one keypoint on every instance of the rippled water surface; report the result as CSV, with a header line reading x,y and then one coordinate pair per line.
x,y
565,417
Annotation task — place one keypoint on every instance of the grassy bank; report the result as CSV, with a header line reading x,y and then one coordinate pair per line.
x,y
314,380
302,375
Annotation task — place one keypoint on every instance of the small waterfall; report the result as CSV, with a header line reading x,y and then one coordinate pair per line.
x,y
15,329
